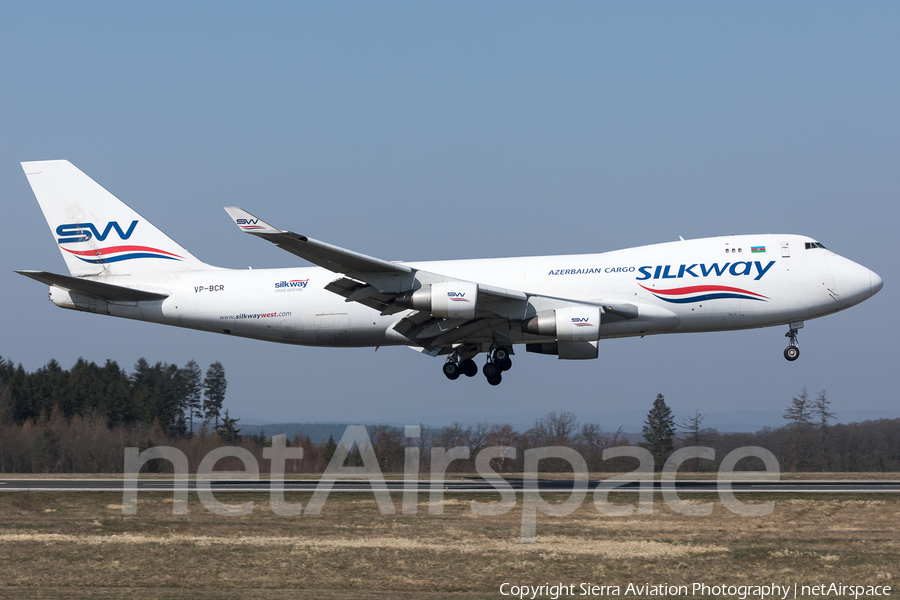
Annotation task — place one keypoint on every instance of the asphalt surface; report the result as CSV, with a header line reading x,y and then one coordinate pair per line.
x,y
473,485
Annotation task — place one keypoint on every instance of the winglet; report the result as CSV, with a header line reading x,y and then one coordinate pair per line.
x,y
248,222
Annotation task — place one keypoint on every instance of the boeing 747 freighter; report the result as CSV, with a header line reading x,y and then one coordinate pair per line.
x,y
121,265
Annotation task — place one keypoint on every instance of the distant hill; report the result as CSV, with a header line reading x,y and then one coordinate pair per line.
x,y
746,421
318,432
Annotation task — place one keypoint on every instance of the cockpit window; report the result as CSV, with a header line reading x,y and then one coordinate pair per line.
x,y
810,245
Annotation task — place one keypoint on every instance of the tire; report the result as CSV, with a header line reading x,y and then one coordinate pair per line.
x,y
451,370
490,370
468,368
501,354
792,353
505,364
495,380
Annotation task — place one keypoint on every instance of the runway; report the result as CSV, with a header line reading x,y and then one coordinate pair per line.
x,y
457,485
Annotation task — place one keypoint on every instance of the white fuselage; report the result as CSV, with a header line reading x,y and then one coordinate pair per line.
x,y
712,284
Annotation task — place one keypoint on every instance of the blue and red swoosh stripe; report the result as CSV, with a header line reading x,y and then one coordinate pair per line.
x,y
120,253
701,293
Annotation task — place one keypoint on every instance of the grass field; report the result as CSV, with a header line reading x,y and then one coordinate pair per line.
x,y
79,545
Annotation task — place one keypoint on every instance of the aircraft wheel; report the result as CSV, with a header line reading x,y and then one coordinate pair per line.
x,y
501,354
468,367
451,370
505,364
495,379
792,353
490,370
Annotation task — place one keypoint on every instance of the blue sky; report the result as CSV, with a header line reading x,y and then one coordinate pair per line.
x,y
451,130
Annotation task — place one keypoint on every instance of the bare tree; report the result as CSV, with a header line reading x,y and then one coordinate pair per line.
x,y
592,435
591,441
820,416
505,437
475,436
691,427
554,429
388,443
450,436
799,412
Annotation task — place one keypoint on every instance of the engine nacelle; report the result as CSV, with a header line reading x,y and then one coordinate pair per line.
x,y
567,350
448,299
570,324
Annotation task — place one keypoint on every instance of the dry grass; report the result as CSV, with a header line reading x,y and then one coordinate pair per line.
x,y
81,546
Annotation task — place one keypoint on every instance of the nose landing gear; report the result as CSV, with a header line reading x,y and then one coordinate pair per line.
x,y
792,352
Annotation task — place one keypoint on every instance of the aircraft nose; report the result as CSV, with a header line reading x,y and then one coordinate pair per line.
x,y
877,282
855,282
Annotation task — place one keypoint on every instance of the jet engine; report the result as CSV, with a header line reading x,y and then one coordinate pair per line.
x,y
570,324
447,299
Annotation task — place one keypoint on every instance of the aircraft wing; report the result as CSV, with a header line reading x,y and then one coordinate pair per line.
x,y
382,285
97,289
333,258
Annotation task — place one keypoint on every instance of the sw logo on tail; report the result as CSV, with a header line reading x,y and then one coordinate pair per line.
x,y
83,232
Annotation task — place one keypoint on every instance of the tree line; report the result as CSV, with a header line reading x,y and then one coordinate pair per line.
x,y
808,442
87,444
175,398
82,419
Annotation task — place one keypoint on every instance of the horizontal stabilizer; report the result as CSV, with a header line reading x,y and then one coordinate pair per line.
x,y
103,291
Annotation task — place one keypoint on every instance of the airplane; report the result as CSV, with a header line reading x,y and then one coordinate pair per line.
x,y
121,265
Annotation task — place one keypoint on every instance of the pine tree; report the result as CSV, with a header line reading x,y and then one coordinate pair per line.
x,y
260,438
329,449
659,432
115,400
214,392
6,406
192,390
227,431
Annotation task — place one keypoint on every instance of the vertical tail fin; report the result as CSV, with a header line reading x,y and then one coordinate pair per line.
x,y
96,232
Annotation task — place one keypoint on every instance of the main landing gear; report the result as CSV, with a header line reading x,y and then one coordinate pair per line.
x,y
792,352
453,369
498,360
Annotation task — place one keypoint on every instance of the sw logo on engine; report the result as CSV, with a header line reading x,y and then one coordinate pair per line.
x,y
71,233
